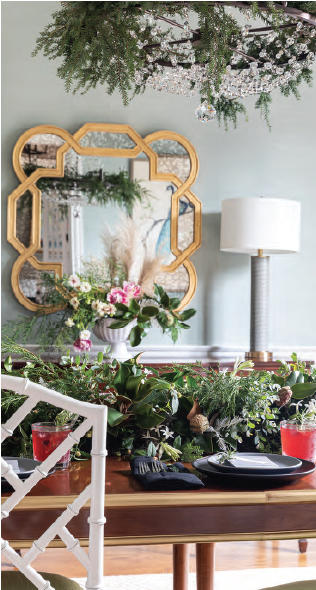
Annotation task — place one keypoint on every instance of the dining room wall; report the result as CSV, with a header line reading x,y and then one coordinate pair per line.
x,y
249,161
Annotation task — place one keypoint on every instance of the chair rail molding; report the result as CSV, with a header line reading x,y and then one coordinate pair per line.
x,y
189,354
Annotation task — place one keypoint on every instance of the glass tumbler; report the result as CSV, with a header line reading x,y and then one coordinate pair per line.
x,y
46,438
299,440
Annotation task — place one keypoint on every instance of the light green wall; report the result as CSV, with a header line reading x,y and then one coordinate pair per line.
x,y
248,161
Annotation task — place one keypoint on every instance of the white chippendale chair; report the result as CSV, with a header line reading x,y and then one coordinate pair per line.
x,y
95,416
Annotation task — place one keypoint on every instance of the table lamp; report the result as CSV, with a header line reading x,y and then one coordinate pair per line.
x,y
260,227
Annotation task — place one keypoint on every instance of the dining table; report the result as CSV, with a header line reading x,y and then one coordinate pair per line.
x,y
220,511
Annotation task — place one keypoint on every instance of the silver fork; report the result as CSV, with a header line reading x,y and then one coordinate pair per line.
x,y
143,468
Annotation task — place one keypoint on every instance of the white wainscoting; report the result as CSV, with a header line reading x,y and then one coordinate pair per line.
x,y
189,354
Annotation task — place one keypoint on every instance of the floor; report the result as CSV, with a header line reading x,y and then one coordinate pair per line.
x,y
158,558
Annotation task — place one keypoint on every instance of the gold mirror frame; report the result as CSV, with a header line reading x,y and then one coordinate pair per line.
x,y
72,142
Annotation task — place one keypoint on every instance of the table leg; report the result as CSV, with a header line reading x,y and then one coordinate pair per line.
x,y
205,566
302,545
181,555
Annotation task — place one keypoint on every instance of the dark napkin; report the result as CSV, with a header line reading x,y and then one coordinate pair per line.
x,y
167,480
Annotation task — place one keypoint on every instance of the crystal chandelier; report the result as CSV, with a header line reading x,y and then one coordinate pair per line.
x,y
260,59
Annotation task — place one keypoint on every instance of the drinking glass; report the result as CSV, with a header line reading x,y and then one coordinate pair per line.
x,y
299,440
46,438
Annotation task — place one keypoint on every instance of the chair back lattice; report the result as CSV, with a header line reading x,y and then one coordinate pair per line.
x,y
95,416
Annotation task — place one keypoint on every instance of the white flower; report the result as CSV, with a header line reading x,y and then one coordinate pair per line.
x,y
74,281
166,432
85,287
69,323
112,309
95,304
74,302
84,335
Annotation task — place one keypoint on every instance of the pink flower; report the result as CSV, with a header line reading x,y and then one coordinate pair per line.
x,y
117,295
131,289
82,345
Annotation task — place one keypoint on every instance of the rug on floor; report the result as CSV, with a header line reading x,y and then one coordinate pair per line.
x,y
253,579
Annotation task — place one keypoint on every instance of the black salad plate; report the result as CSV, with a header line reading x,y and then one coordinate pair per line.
x,y
256,463
203,466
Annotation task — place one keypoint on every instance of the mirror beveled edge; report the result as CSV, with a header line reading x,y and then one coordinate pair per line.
x,y
72,142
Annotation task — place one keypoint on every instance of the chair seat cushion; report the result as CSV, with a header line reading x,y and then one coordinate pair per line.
x,y
18,581
303,585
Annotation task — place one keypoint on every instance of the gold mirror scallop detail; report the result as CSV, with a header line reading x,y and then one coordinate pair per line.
x,y
138,145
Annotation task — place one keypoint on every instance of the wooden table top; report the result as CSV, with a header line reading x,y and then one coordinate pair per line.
x,y
218,512
123,490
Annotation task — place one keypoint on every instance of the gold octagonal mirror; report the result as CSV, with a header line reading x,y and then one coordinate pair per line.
x,y
54,225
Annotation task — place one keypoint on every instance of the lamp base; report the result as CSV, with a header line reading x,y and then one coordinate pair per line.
x,y
259,355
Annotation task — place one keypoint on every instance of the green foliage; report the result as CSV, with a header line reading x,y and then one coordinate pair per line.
x,y
107,188
191,452
94,45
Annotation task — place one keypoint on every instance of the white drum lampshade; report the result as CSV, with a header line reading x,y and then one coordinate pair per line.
x,y
252,224
260,227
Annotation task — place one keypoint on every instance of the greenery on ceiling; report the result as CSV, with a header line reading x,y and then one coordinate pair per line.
x,y
94,41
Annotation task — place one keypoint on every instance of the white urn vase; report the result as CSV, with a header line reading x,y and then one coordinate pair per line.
x,y
117,337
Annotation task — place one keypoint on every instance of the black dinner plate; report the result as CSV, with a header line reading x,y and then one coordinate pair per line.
x,y
203,466
249,463
26,466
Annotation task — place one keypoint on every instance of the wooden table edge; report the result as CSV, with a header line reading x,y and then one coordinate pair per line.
x,y
174,499
171,539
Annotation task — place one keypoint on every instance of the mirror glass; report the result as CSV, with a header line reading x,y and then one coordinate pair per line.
x,y
76,208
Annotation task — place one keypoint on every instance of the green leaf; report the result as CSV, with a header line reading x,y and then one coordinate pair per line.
x,y
151,450
182,427
142,319
132,386
121,307
191,382
135,336
8,364
251,425
278,379
100,357
150,311
165,300
302,390
172,377
174,303
121,377
147,418
77,360
133,306
177,443
115,417
128,316
292,378
119,324
149,385
187,314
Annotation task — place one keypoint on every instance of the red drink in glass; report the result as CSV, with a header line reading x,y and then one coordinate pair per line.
x,y
299,440
46,438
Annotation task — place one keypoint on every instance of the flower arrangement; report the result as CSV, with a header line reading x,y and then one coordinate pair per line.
x,y
121,285
88,302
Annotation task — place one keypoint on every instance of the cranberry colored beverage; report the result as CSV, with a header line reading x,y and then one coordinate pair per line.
x,y
46,438
299,440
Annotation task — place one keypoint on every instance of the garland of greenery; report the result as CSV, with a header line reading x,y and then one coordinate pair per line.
x,y
108,42
97,187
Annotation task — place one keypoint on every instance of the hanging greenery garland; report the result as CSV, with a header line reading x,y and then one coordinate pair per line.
x,y
92,188
131,46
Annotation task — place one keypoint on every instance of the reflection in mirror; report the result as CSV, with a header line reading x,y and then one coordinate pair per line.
x,y
177,283
24,217
92,193
105,139
173,158
31,283
40,152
